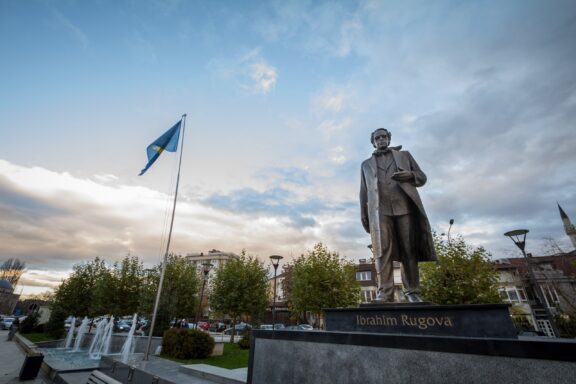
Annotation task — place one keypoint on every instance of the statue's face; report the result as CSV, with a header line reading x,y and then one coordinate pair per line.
x,y
381,140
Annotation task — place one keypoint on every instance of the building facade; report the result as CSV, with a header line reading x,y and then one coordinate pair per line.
x,y
8,299
366,276
555,278
209,262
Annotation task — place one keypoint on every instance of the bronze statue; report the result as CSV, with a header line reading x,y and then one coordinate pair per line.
x,y
393,214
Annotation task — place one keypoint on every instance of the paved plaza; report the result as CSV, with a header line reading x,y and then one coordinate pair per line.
x,y
11,359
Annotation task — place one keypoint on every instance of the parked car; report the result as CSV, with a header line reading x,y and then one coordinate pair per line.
x,y
299,327
217,327
6,322
239,328
123,326
68,321
270,326
201,324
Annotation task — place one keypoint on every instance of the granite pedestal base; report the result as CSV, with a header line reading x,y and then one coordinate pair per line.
x,y
318,357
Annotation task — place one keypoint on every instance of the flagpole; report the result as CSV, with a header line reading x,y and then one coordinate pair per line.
x,y
165,261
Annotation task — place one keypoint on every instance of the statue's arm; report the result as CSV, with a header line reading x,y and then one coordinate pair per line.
x,y
364,203
419,176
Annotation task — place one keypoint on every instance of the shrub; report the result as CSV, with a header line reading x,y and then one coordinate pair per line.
x,y
184,343
244,343
30,323
55,326
566,325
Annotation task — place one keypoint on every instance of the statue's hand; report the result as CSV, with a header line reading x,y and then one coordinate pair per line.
x,y
403,176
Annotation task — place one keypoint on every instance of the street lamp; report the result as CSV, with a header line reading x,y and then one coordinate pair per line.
x,y
449,228
205,270
275,261
518,236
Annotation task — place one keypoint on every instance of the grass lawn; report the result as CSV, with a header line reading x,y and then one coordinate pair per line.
x,y
37,337
233,358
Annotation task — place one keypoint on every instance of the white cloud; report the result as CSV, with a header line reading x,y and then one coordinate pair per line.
x,y
332,99
53,220
251,70
337,155
264,77
106,178
332,127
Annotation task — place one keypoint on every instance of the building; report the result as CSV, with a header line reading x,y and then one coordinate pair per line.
x,y
366,276
214,257
29,306
568,226
555,277
8,299
280,305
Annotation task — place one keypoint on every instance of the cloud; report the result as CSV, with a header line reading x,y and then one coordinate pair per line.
x,y
106,178
252,72
331,99
337,155
52,220
264,77
275,203
332,127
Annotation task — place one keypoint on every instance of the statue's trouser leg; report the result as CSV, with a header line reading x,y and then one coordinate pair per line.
x,y
405,227
384,264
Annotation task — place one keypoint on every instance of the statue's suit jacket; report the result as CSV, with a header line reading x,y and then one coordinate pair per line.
x,y
369,204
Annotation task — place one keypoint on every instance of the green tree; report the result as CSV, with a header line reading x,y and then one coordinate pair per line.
x,y
75,296
321,279
240,287
126,279
179,291
462,275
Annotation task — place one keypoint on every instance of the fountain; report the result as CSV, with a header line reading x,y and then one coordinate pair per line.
x,y
129,344
101,341
80,334
90,349
70,335
97,339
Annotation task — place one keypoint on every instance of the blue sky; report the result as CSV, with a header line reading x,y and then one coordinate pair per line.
x,y
281,98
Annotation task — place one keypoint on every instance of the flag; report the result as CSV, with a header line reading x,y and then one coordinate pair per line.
x,y
167,142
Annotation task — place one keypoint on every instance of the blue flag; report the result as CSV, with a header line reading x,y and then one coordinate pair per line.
x,y
167,142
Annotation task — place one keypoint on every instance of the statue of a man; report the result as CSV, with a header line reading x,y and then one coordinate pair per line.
x,y
393,214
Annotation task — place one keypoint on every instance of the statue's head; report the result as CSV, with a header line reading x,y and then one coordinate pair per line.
x,y
381,138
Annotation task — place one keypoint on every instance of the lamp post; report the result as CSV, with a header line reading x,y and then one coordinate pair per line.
x,y
275,261
205,270
518,236
449,228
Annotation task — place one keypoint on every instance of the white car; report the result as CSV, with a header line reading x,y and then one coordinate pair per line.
x,y
6,322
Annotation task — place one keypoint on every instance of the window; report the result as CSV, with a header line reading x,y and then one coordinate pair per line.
x,y
550,295
513,295
368,295
546,327
364,276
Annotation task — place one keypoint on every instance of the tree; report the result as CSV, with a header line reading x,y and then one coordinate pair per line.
x,y
462,275
12,270
240,287
75,296
126,281
178,299
320,279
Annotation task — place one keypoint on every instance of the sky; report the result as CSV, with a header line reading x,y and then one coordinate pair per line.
x,y
281,98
